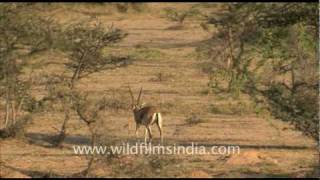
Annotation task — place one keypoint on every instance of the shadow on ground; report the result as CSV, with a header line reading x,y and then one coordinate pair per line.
x,y
46,140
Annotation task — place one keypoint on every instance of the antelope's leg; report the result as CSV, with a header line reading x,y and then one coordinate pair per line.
x,y
159,125
160,131
145,135
137,128
150,134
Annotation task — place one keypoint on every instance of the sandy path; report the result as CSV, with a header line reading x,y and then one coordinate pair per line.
x,y
268,147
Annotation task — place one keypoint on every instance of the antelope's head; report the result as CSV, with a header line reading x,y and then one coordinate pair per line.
x,y
135,105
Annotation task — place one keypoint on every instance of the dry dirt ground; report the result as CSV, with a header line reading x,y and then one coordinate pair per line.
x,y
269,147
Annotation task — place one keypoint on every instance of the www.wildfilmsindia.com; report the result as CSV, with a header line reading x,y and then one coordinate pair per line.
x,y
141,148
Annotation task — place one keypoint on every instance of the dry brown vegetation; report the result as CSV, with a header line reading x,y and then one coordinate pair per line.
x,y
95,109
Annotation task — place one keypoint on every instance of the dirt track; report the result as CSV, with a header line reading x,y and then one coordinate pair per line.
x,y
269,147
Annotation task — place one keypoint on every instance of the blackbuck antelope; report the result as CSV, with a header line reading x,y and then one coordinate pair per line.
x,y
146,116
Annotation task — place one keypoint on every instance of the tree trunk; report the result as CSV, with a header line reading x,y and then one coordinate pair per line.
x,y
231,63
7,114
13,111
230,41
62,134
298,60
20,106
77,72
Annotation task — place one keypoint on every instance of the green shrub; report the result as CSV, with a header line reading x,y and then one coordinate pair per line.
x,y
16,130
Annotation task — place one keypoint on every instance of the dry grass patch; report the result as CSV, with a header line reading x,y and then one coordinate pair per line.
x,y
194,119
